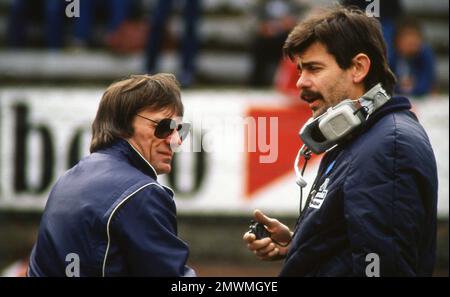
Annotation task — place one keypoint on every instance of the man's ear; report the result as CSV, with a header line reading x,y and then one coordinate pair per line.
x,y
360,67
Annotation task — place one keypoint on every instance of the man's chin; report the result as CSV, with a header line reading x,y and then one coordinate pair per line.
x,y
318,112
163,169
318,109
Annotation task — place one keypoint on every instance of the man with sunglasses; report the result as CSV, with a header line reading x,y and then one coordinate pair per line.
x,y
108,215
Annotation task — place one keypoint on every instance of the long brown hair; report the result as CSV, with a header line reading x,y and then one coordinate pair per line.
x,y
122,100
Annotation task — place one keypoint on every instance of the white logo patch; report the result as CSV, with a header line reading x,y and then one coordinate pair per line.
x,y
318,199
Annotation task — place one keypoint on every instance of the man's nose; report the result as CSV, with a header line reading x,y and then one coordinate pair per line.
x,y
174,139
303,82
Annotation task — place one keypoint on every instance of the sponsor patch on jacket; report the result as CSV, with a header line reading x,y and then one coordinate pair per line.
x,y
318,199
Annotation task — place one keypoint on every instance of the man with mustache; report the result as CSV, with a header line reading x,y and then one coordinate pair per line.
x,y
373,205
108,215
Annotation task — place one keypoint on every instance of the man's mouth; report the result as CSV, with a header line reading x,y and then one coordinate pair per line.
x,y
310,96
166,154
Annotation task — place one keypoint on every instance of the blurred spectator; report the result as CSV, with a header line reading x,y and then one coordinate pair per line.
x,y
117,12
160,15
390,11
412,60
276,18
129,38
20,16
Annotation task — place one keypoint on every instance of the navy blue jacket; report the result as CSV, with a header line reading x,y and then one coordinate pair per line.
x,y
111,212
375,193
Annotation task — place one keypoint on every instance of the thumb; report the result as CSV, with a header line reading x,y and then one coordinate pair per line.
x,y
263,219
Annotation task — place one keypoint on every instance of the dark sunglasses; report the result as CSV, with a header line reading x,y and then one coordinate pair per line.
x,y
165,128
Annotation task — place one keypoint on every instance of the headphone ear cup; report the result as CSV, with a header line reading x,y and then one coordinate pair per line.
x,y
312,136
323,132
340,121
317,135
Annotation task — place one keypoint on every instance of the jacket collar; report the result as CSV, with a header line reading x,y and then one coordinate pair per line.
x,y
125,149
392,105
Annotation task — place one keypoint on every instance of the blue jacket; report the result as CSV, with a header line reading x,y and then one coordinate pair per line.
x,y
110,212
373,194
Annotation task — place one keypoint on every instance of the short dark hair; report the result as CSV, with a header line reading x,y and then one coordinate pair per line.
x,y
345,32
122,100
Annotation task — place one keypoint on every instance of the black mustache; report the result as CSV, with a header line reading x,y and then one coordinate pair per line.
x,y
310,96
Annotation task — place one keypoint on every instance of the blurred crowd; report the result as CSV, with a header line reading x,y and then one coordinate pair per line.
x,y
134,26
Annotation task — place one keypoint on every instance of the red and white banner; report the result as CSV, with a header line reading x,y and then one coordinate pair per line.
x,y
240,155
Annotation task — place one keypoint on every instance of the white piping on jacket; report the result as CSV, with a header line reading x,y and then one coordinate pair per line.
x,y
150,165
110,217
